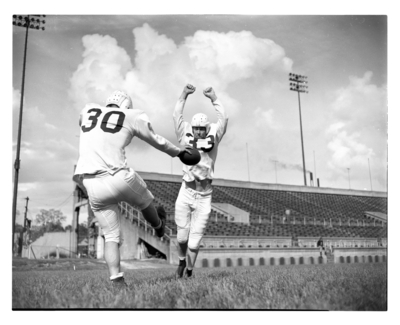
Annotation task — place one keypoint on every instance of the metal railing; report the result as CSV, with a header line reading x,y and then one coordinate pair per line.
x,y
134,214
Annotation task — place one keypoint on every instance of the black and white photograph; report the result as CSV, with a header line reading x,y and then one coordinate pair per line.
x,y
200,159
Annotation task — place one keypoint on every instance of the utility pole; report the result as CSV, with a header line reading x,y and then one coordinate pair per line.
x,y
27,21
299,84
315,166
348,171
26,211
276,174
370,179
248,166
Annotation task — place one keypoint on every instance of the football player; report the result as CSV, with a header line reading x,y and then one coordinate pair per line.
x,y
193,205
103,170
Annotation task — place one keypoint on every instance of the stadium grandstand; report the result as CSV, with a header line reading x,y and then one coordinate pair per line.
x,y
259,224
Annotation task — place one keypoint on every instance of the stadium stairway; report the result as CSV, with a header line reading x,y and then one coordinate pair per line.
x,y
330,257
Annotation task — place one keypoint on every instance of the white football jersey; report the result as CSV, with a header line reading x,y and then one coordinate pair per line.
x,y
207,147
106,131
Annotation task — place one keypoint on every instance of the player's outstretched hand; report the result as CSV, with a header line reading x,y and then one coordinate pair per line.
x,y
210,93
183,150
189,89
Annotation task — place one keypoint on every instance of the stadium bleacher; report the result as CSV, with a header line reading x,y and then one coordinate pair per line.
x,y
311,214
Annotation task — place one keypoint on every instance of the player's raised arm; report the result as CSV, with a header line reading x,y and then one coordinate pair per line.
x,y
210,93
222,116
178,111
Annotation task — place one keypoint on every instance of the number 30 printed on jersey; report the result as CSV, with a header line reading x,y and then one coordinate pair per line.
x,y
95,118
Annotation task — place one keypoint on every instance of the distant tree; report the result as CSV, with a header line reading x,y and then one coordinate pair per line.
x,y
18,228
51,220
83,230
69,227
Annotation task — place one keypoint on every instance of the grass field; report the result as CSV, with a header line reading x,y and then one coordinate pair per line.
x,y
56,285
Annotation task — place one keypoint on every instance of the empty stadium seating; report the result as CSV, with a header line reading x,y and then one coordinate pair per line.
x,y
311,214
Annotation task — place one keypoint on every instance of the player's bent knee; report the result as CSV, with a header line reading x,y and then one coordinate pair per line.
x,y
193,248
182,236
194,243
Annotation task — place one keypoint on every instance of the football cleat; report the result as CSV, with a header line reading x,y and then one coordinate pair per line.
x,y
119,284
189,274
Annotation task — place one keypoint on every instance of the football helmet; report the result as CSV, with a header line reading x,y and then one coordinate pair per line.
x,y
201,120
121,99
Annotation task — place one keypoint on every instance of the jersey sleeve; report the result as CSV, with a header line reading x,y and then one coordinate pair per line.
x,y
223,118
179,122
145,132
81,115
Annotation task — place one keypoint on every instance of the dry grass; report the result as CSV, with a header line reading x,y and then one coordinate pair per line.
x,y
291,287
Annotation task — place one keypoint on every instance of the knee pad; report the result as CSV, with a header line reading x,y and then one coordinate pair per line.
x,y
182,235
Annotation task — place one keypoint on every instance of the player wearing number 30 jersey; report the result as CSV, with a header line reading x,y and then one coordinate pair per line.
x,y
106,131
102,169
193,205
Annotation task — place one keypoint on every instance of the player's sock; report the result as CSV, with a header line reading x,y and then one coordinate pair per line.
x,y
181,268
159,226
189,272
119,275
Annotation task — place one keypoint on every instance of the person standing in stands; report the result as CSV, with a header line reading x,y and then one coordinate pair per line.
x,y
193,205
102,169
320,244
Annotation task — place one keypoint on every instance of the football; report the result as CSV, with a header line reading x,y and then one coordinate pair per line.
x,y
192,159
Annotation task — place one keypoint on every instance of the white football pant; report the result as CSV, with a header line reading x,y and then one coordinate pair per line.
x,y
192,210
106,191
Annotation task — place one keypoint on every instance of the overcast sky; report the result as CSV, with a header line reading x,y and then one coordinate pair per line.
x,y
245,58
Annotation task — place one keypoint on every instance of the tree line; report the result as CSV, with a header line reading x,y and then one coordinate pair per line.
x,y
50,221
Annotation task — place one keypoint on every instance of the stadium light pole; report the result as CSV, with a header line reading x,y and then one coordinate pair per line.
x,y
299,83
34,22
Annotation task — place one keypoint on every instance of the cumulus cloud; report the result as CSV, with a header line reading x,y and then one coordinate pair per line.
x,y
265,118
233,56
162,67
102,70
362,104
237,65
45,155
358,131
347,150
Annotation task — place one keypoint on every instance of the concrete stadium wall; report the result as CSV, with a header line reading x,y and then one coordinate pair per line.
x,y
360,255
159,243
132,235
238,251
219,257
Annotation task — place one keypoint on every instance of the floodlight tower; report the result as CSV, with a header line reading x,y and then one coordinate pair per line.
x,y
299,83
34,22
